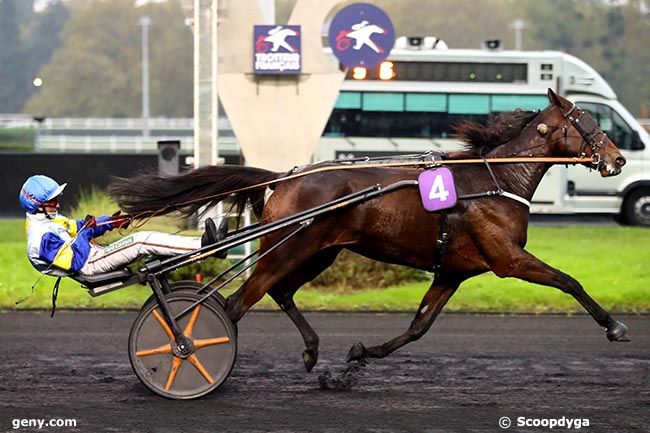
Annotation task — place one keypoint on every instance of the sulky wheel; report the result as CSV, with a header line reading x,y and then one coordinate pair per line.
x,y
166,370
191,286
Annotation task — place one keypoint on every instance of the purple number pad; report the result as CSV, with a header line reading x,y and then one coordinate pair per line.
x,y
437,189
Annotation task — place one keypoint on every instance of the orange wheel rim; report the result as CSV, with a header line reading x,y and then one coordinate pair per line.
x,y
177,361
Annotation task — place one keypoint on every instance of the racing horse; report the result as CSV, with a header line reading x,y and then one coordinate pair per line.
x,y
484,233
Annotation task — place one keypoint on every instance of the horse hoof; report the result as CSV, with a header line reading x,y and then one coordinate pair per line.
x,y
356,353
310,358
233,309
617,332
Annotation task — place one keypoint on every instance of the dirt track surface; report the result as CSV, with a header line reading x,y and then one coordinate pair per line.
x,y
464,375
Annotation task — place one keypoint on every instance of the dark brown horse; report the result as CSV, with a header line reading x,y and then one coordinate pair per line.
x,y
484,234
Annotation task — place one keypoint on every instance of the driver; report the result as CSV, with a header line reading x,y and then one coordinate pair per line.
x,y
57,245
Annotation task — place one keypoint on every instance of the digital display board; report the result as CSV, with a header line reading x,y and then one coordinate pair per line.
x,y
443,71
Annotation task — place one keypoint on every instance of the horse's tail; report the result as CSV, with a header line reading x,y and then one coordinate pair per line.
x,y
149,193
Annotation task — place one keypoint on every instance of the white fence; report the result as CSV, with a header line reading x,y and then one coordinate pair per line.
x,y
16,121
104,123
106,143
118,123
100,123
121,144
115,135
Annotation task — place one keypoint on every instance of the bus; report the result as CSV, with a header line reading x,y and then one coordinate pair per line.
x,y
410,102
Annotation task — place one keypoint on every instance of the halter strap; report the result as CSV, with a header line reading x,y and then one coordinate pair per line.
x,y
568,113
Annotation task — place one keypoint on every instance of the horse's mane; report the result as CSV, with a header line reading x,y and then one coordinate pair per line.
x,y
480,139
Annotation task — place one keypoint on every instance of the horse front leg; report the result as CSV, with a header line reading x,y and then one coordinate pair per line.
x,y
442,288
527,267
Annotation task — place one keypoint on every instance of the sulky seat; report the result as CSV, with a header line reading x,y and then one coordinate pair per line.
x,y
109,281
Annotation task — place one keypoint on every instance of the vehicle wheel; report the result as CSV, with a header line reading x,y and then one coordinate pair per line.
x,y
636,208
160,363
192,286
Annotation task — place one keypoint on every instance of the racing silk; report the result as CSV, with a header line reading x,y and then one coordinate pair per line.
x,y
59,246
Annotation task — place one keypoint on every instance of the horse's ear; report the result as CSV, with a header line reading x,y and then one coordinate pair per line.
x,y
553,98
558,100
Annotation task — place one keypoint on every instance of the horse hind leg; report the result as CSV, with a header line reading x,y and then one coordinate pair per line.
x,y
283,292
277,266
309,336
442,288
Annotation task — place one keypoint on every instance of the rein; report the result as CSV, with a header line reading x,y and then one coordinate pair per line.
x,y
146,215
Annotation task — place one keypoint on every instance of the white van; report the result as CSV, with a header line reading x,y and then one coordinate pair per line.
x,y
409,104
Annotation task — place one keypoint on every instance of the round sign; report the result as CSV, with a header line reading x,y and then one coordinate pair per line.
x,y
361,35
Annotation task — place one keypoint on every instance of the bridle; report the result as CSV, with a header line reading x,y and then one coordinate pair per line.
x,y
588,129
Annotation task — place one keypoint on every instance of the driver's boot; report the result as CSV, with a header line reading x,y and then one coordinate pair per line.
x,y
212,235
222,232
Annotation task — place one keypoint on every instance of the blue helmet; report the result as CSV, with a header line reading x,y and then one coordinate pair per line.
x,y
37,190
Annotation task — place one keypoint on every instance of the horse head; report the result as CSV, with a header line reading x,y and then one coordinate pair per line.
x,y
580,136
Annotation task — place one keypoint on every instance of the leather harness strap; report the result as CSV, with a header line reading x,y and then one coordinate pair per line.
x,y
508,160
441,243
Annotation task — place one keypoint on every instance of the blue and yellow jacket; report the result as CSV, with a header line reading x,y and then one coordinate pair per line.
x,y
59,245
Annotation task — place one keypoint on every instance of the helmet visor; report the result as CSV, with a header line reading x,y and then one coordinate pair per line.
x,y
57,192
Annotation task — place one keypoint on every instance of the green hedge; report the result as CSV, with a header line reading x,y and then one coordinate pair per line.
x,y
353,272
207,269
349,272
17,138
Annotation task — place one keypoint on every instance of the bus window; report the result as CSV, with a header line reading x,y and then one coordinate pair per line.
x,y
404,124
610,122
418,114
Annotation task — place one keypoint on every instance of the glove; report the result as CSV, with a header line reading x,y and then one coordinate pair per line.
x,y
90,222
119,221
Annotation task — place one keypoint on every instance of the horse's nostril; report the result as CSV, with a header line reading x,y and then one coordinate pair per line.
x,y
620,161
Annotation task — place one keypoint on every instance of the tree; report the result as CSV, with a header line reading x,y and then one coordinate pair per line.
x,y
12,65
172,62
632,83
611,38
460,23
24,11
42,38
22,56
97,71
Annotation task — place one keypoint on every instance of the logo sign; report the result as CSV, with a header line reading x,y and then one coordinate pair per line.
x,y
276,50
361,35
437,189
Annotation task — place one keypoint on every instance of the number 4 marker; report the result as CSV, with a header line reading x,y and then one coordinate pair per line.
x,y
438,190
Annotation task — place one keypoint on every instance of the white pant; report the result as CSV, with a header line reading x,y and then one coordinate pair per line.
x,y
128,249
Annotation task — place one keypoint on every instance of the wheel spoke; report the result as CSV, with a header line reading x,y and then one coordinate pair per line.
x,y
190,324
198,344
164,324
176,363
196,363
166,348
